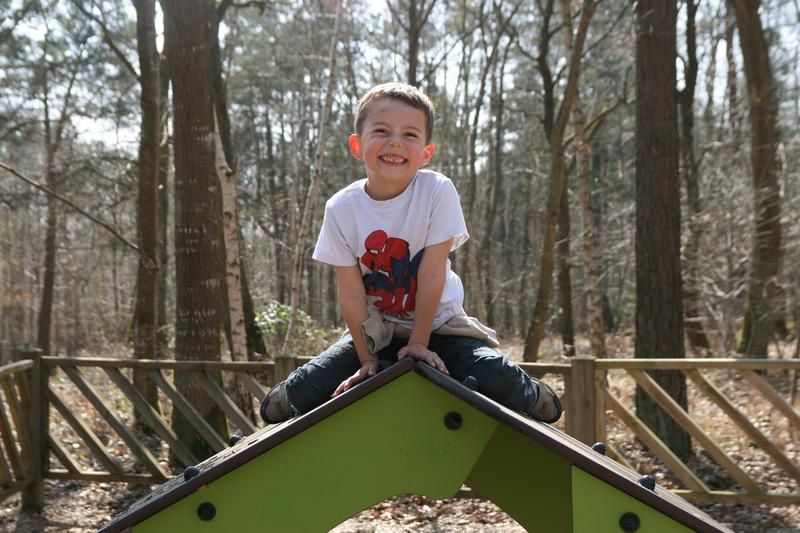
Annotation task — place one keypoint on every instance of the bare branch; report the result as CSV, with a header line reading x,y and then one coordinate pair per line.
x,y
108,39
148,261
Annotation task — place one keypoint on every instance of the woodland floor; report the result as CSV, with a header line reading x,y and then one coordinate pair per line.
x,y
81,506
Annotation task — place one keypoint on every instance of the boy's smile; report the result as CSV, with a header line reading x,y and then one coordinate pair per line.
x,y
392,146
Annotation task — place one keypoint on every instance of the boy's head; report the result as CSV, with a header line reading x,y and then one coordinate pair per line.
x,y
403,92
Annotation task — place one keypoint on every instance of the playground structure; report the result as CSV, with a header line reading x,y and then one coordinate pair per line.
x,y
409,430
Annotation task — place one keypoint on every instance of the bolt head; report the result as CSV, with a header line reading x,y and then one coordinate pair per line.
x,y
190,472
453,420
206,511
648,482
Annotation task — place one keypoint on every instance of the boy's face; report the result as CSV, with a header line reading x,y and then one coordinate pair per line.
x,y
392,145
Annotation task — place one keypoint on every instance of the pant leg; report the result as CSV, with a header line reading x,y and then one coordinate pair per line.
x,y
497,376
312,384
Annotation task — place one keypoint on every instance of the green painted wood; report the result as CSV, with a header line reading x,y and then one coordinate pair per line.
x,y
391,442
597,506
529,482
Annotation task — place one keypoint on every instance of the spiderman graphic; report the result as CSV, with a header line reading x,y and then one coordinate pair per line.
x,y
393,273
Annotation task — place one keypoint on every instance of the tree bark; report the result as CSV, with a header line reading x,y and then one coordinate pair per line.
x,y
695,333
659,309
558,183
762,285
53,134
188,31
145,317
594,304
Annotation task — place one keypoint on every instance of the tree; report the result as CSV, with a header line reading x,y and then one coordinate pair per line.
x,y
55,123
558,177
418,13
659,309
691,256
145,320
198,279
762,285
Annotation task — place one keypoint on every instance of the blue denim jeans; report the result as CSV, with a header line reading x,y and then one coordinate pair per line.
x,y
497,377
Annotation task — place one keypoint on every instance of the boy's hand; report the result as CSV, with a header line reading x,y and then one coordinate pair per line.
x,y
368,368
420,352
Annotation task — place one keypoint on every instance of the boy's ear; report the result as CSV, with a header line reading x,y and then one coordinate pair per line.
x,y
427,154
355,146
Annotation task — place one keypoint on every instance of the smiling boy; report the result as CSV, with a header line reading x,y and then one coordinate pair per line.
x,y
389,236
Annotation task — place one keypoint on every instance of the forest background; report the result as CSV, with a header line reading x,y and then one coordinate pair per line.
x,y
542,109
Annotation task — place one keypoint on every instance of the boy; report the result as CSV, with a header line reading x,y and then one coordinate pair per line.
x,y
389,237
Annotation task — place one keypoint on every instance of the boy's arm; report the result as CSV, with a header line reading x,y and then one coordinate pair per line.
x,y
430,284
353,304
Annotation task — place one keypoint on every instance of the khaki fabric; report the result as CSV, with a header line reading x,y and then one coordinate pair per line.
x,y
378,333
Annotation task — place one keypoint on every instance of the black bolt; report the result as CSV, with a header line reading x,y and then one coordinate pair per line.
x,y
190,472
206,511
629,522
599,447
648,482
470,382
453,420
234,438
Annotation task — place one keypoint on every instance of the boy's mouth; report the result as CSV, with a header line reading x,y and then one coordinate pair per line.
x,y
393,159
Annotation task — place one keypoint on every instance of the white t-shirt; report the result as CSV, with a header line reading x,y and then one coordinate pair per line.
x,y
387,238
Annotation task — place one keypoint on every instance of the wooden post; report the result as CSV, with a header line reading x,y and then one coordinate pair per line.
x,y
284,365
38,426
581,412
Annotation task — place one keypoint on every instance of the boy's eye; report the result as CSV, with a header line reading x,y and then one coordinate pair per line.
x,y
381,131
411,134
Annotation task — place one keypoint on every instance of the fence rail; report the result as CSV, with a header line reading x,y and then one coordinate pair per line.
x,y
80,428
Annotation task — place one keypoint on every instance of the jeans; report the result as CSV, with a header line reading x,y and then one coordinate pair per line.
x,y
497,377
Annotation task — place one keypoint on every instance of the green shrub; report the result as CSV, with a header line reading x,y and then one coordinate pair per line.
x,y
309,337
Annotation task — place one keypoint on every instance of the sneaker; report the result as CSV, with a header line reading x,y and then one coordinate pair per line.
x,y
547,407
275,407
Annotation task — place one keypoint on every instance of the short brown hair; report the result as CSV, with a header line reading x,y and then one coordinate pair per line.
x,y
396,91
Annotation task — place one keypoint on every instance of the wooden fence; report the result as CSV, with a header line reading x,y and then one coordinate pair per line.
x,y
16,452
79,413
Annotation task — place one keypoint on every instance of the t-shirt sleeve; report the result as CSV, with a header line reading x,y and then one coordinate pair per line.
x,y
447,218
332,247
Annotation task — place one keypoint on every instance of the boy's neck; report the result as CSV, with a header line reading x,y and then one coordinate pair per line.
x,y
381,191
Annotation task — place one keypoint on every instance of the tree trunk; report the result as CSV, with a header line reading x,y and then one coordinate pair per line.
x,y
691,256
188,31
659,309
761,308
558,183
146,311
565,323
233,278
48,279
162,334
594,305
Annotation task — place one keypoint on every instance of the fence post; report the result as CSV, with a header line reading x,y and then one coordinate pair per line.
x,y
38,426
581,412
284,365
